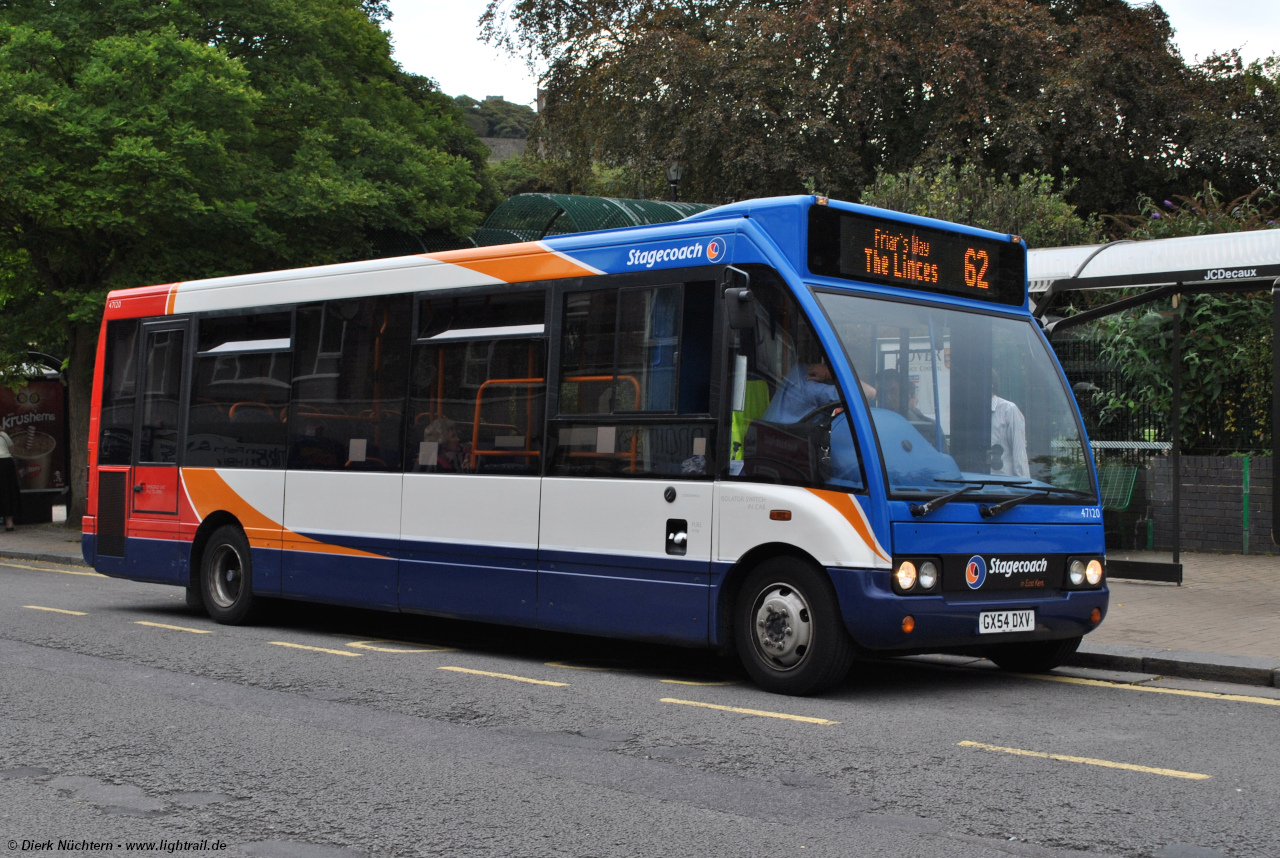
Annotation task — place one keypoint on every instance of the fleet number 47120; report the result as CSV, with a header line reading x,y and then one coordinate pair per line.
x,y
1090,512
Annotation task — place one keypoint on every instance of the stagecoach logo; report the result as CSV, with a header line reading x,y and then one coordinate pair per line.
x,y
976,572
1234,274
1018,567
714,249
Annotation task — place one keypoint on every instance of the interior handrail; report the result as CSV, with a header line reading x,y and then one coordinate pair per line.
x,y
514,382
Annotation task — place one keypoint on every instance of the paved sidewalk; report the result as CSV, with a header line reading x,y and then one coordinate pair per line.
x,y
52,542
1222,624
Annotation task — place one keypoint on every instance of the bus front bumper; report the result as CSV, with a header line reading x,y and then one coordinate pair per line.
x,y
875,615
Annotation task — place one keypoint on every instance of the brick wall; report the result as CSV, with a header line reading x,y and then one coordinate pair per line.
x,y
1212,504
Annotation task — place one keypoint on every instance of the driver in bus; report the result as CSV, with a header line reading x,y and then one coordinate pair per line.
x,y
808,386
1008,435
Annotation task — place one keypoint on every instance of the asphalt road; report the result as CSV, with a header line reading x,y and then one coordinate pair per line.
x,y
126,718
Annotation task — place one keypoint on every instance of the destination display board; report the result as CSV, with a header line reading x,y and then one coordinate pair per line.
x,y
881,250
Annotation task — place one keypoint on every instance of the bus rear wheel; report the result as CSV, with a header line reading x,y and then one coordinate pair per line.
x,y
788,629
226,577
1035,657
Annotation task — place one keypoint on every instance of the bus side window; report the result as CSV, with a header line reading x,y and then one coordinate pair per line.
x,y
240,392
635,382
349,380
477,385
119,393
786,413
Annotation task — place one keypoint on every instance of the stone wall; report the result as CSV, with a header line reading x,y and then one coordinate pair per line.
x,y
1212,503
502,148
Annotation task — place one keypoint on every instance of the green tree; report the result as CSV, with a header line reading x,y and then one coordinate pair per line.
x,y
149,143
497,117
529,174
1028,206
760,97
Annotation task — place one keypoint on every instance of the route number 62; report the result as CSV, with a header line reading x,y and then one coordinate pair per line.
x,y
976,263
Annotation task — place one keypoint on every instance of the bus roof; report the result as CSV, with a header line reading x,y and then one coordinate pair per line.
x,y
704,238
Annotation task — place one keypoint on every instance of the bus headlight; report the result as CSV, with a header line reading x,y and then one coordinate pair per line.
x,y
928,575
905,576
1093,572
1076,572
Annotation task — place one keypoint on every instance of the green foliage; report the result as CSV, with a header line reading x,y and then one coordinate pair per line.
x,y
760,97
1028,206
497,117
529,174
1204,213
1226,369
154,142
150,143
1226,338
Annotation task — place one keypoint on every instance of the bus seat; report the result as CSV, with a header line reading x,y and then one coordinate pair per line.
x,y
370,463
251,412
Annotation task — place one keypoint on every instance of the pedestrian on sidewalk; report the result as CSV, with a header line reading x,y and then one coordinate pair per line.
x,y
9,498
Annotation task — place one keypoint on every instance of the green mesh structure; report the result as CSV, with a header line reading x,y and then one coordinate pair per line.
x,y
530,217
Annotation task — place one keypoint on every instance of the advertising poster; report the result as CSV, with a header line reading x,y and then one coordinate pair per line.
x,y
34,417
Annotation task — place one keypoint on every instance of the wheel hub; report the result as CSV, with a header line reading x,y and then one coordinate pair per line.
x,y
227,576
782,626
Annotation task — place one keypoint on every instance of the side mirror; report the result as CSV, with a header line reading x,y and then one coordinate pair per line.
x,y
738,303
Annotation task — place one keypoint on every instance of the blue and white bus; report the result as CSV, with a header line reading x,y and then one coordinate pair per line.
x,y
802,429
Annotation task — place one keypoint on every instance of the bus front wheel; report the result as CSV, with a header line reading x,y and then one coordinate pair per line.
x,y
226,577
788,629
1035,657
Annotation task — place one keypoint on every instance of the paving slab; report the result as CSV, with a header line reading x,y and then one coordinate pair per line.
x,y
54,543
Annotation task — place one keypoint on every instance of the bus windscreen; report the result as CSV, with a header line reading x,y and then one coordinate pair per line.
x,y
881,250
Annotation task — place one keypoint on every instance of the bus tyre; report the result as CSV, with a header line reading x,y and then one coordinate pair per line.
x,y
195,599
788,629
226,577
1036,657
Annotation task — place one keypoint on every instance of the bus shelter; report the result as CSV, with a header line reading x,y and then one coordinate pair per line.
x,y
1153,271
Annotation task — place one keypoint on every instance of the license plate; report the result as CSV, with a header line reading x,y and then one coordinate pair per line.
x,y
999,622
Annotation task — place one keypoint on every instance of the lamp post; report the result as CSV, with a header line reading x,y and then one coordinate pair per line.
x,y
675,172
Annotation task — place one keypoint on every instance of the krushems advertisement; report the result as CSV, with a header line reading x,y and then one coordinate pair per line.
x,y
34,417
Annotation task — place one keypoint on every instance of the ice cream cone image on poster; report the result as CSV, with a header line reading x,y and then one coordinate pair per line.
x,y
33,454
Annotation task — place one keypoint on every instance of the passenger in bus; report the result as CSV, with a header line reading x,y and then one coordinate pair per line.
x,y
1008,435
899,393
451,454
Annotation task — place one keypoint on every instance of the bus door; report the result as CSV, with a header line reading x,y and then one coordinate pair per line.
x,y
477,396
625,533
153,549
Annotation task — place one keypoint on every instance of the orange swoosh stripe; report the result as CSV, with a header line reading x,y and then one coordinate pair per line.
x,y
209,493
514,263
173,296
848,507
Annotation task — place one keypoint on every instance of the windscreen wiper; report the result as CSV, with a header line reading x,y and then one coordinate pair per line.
x,y
921,509
992,510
